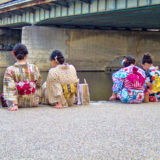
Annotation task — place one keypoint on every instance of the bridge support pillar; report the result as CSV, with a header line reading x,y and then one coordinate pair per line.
x,y
89,50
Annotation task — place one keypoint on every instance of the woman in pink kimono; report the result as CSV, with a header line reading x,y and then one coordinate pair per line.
x,y
128,82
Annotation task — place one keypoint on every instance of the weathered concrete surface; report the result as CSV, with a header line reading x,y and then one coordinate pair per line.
x,y
89,49
6,59
110,131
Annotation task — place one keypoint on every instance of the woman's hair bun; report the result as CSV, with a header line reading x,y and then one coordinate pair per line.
x,y
147,58
20,56
57,55
20,51
60,60
128,61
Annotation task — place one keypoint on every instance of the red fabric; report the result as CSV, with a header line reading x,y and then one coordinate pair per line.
x,y
26,88
152,99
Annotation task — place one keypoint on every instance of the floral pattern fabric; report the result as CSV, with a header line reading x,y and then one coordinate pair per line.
x,y
20,84
58,77
128,83
26,87
131,96
154,92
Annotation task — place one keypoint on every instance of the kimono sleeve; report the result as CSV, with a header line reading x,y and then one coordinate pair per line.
x,y
118,80
38,77
9,85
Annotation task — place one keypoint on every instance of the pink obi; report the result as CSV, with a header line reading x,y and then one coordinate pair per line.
x,y
26,87
134,80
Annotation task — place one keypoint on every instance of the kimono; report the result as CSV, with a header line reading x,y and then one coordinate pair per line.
x,y
61,85
21,83
128,83
153,84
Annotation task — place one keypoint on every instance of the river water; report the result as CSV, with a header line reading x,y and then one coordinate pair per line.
x,y
100,83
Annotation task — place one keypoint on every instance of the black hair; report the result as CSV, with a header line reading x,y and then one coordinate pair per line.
x,y
147,58
129,60
57,55
20,51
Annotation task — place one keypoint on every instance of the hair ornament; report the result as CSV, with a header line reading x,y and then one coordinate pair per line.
x,y
56,59
13,52
124,60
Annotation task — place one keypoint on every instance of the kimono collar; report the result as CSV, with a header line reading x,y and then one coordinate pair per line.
x,y
17,64
63,66
154,67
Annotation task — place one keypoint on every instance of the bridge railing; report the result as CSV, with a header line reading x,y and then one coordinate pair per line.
x,y
12,3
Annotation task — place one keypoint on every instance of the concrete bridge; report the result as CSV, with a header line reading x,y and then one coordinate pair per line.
x,y
84,30
101,14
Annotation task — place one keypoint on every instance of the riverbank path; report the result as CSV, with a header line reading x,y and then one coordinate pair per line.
x,y
100,131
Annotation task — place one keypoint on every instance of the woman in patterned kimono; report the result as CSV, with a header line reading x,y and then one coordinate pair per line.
x,y
21,81
61,82
153,78
128,82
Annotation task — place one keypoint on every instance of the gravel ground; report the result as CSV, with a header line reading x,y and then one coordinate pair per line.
x,y
101,131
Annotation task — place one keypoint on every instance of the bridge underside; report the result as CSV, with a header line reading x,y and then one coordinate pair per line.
x,y
100,14
143,17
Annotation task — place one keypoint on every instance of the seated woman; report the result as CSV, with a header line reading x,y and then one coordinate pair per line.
x,y
61,82
153,78
21,81
128,82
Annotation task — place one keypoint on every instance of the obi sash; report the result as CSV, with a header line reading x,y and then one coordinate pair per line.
x,y
69,89
26,87
134,80
156,84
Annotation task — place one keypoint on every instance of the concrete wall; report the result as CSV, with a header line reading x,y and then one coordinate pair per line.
x,y
89,49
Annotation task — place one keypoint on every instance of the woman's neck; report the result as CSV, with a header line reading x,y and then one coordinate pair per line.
x,y
22,61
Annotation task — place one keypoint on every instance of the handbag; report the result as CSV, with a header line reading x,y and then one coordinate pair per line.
x,y
83,95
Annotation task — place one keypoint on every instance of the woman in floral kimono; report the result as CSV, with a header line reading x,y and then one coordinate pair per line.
x,y
61,82
128,82
21,81
153,78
